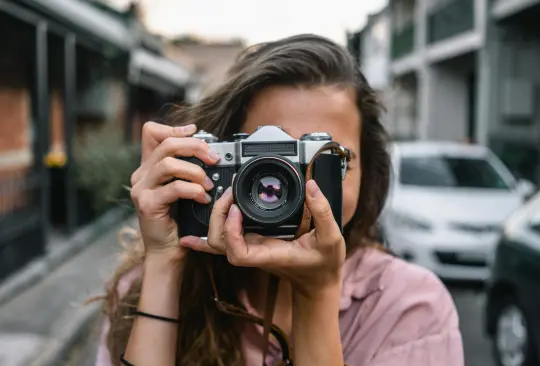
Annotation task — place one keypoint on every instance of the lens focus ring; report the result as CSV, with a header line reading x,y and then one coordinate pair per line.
x,y
269,189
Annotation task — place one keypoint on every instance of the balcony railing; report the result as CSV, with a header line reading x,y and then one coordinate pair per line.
x,y
450,19
403,41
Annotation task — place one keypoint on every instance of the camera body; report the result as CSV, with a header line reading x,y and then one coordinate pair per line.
x,y
269,168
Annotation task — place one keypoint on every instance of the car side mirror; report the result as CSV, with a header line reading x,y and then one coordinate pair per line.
x,y
525,188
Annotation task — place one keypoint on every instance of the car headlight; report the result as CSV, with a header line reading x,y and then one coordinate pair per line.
x,y
410,223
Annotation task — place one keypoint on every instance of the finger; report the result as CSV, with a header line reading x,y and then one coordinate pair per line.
x,y
217,220
198,244
154,134
170,168
184,147
236,248
172,147
251,250
254,250
323,217
179,189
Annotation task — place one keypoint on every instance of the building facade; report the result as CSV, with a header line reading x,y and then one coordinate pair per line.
x,y
370,47
435,63
208,60
512,86
67,67
468,70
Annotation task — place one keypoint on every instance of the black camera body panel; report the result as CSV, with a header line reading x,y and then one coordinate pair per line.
x,y
193,217
328,171
327,167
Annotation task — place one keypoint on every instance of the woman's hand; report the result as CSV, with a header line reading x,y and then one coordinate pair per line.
x,y
154,190
312,263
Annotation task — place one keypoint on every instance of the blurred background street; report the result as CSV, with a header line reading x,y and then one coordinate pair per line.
x,y
78,78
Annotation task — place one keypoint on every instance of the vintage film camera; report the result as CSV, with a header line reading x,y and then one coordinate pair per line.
x,y
269,168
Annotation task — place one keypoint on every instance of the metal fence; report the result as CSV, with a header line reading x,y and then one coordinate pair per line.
x,y
22,230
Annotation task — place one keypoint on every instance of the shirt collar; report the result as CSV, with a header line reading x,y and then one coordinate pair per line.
x,y
362,275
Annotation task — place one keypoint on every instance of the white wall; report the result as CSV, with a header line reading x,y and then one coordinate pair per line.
x,y
447,104
375,52
402,114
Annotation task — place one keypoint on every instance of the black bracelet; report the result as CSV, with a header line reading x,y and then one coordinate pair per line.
x,y
157,317
124,362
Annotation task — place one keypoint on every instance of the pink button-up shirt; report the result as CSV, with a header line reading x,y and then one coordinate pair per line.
x,y
392,314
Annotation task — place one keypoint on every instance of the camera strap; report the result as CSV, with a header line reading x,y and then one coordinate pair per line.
x,y
273,281
305,224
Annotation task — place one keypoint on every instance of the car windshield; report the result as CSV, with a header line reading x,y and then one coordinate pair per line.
x,y
448,171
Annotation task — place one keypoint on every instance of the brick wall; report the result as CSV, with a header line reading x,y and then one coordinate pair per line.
x,y
16,189
14,120
57,121
15,147
16,150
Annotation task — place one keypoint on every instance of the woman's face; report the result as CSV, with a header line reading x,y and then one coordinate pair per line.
x,y
318,109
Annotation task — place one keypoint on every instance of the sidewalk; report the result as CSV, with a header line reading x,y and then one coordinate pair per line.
x,y
39,325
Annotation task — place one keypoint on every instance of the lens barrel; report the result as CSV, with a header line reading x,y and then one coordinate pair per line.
x,y
269,190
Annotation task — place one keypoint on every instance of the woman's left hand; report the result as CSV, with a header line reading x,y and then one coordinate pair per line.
x,y
311,263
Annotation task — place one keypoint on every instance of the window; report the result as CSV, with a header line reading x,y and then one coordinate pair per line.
x,y
445,171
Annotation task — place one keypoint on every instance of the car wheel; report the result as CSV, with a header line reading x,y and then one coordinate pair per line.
x,y
512,341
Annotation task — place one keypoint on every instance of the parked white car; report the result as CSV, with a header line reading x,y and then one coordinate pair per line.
x,y
446,206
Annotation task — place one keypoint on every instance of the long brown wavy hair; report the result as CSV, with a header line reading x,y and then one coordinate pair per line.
x,y
206,336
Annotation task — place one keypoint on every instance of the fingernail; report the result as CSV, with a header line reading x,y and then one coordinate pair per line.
x,y
227,193
208,184
191,128
234,211
313,188
213,156
208,198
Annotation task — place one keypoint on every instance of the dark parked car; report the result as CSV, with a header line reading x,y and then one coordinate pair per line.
x,y
513,299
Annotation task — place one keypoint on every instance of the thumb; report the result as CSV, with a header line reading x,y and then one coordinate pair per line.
x,y
323,217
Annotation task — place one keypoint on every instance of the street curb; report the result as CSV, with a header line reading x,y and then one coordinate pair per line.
x,y
57,349
36,270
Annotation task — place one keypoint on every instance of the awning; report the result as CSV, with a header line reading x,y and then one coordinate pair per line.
x,y
157,72
88,18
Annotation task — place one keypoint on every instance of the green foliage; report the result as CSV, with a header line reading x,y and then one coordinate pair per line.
x,y
104,164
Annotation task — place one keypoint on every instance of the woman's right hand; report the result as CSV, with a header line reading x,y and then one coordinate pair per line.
x,y
152,190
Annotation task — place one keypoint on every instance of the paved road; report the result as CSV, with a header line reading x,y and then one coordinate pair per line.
x,y
470,305
84,351
33,323
469,302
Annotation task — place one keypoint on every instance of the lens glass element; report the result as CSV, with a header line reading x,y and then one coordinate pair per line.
x,y
269,191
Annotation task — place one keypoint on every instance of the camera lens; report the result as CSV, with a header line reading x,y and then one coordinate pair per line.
x,y
269,190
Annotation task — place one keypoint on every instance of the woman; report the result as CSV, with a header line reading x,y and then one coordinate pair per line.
x,y
341,298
